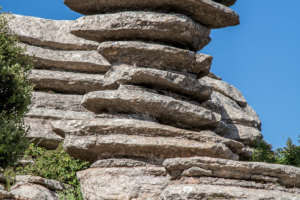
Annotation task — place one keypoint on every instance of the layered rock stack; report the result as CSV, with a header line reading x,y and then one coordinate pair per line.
x,y
154,121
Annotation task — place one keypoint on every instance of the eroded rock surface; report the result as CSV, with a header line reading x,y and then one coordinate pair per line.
x,y
172,29
48,183
226,2
206,12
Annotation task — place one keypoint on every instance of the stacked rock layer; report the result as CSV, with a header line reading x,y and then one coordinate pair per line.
x,y
125,89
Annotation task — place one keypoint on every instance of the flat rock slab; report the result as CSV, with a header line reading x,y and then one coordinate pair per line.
x,y
118,162
171,29
226,2
193,191
4,194
94,147
100,127
68,82
245,134
257,171
50,33
48,183
165,109
186,85
81,61
64,102
206,12
155,56
227,90
23,190
123,183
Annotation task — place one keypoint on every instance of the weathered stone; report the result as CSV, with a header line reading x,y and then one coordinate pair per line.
x,y
48,183
182,84
40,133
29,191
1,188
209,13
42,113
166,109
226,2
123,183
114,162
212,75
2,178
196,171
69,82
94,147
25,162
4,194
65,102
171,29
137,127
81,61
50,33
191,191
155,56
227,90
245,134
231,112
283,174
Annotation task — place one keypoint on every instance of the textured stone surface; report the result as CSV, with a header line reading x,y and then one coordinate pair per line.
x,y
258,171
123,183
212,75
171,29
68,82
209,13
227,90
114,162
155,56
182,84
65,102
81,61
48,183
2,178
165,109
29,191
50,33
94,147
226,2
4,194
137,127
190,191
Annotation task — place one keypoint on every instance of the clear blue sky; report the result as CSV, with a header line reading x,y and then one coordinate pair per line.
x,y
261,57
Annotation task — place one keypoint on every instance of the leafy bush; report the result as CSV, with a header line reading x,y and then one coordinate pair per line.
x,y
263,153
57,165
15,93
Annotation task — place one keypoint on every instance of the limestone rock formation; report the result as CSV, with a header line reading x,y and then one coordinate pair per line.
x,y
125,89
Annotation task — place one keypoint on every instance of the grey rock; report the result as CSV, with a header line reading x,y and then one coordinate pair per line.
x,y
2,178
114,162
165,109
196,171
48,183
192,191
68,82
100,127
2,187
50,33
25,162
212,75
245,134
227,90
40,133
155,56
4,194
258,171
81,61
171,29
94,147
29,191
65,102
231,112
206,12
123,183
226,2
187,85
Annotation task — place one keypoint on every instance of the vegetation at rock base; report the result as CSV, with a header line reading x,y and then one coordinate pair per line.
x,y
52,164
15,94
289,155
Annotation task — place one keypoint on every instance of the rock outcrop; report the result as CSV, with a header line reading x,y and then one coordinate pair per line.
x,y
125,89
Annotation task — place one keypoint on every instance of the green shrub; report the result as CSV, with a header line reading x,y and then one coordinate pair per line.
x,y
263,153
15,94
